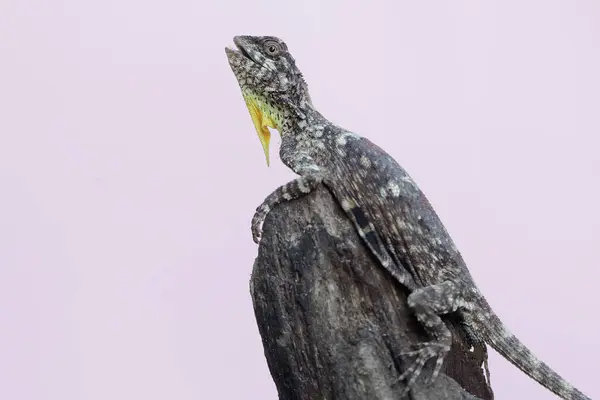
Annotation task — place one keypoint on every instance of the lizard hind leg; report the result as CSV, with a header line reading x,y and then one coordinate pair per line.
x,y
428,303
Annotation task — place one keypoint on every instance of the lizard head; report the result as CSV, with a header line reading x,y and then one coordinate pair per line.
x,y
272,85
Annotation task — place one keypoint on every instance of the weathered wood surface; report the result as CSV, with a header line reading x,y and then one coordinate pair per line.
x,y
333,323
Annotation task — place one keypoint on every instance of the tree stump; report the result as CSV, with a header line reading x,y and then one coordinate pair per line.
x,y
334,324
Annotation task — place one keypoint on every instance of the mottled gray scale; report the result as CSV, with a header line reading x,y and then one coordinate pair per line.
x,y
376,246
410,205
511,348
391,214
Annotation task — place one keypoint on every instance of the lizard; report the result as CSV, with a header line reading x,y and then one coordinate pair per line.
x,y
391,214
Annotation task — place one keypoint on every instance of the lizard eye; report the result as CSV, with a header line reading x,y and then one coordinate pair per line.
x,y
272,47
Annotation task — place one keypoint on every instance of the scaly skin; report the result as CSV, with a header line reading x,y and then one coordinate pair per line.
x,y
391,214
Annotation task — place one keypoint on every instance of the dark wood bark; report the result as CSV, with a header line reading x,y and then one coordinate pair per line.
x,y
333,322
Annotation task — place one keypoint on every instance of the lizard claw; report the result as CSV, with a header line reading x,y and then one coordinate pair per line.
x,y
423,353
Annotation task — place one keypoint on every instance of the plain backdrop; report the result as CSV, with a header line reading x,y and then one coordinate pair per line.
x,y
130,170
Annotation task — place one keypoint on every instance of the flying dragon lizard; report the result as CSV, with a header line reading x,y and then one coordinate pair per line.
x,y
391,214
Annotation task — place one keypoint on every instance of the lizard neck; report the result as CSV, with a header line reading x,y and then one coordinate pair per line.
x,y
301,121
304,141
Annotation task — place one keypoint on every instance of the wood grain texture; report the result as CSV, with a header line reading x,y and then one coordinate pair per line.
x,y
332,321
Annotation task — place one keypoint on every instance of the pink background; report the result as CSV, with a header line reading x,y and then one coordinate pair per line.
x,y
130,169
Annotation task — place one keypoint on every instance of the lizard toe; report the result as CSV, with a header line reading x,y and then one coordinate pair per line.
x,y
423,353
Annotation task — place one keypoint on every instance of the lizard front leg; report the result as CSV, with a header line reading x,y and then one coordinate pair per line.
x,y
295,189
428,303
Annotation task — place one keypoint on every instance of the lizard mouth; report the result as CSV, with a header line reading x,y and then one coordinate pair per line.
x,y
240,50
243,51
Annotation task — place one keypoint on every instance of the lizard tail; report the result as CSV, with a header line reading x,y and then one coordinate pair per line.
x,y
511,348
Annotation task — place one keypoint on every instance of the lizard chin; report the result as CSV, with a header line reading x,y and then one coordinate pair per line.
x,y
235,56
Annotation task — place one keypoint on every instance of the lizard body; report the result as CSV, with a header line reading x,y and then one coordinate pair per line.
x,y
391,214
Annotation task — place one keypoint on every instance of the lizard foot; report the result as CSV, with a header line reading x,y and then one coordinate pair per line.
x,y
423,353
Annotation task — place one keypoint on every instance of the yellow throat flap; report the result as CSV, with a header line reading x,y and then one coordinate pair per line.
x,y
262,122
